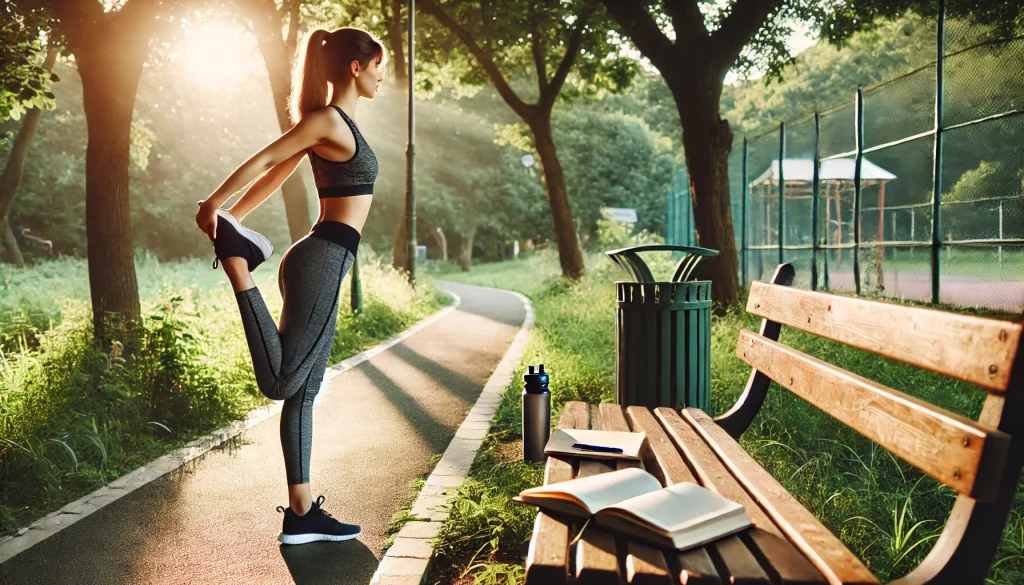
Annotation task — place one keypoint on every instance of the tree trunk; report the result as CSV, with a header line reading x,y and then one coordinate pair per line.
x,y
569,255
393,21
707,141
11,178
279,70
400,246
466,250
13,252
442,242
110,57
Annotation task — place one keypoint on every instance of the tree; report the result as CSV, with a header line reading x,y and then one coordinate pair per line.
x,y
694,44
267,23
109,49
694,65
11,177
547,38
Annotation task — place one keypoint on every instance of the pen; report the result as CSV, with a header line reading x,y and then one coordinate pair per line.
x,y
598,448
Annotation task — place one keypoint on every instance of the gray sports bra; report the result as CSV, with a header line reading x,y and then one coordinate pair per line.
x,y
354,176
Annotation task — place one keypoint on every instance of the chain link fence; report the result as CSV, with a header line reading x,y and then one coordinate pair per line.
x,y
911,190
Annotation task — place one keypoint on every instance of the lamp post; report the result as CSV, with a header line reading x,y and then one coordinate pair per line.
x,y
410,187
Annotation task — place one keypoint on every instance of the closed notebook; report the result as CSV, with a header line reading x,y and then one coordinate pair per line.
x,y
562,440
632,502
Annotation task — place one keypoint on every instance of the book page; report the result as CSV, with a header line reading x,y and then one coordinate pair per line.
x,y
595,492
683,506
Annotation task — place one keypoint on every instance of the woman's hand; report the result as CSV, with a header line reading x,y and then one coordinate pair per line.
x,y
206,219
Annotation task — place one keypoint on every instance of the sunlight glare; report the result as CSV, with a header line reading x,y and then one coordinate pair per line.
x,y
216,54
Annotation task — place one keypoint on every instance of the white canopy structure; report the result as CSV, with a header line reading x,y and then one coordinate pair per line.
x,y
835,177
841,169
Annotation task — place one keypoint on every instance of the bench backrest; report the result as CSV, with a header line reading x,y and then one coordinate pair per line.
x,y
980,459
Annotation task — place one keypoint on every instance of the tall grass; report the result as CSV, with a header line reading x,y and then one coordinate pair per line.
x,y
74,417
885,511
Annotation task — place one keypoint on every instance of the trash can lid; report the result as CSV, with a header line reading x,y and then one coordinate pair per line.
x,y
635,266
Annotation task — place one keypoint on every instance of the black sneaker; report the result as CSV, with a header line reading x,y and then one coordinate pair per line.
x,y
314,525
235,240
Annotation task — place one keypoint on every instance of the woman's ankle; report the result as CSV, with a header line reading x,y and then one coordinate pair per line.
x,y
299,498
237,269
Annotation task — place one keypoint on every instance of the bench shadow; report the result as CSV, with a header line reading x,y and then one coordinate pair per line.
x,y
429,428
452,381
330,563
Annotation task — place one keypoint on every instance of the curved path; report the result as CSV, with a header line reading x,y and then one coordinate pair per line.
x,y
375,430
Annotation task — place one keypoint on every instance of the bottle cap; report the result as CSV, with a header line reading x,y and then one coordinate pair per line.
x,y
536,381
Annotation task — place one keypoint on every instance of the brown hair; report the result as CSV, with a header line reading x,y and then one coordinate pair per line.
x,y
324,57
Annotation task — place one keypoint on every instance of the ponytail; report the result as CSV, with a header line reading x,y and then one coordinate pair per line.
x,y
309,77
324,57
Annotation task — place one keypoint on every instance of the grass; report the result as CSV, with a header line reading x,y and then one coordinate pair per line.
x,y
885,511
74,417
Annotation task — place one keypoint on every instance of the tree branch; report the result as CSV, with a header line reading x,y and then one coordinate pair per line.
x,y
75,17
538,55
482,56
572,51
292,40
743,22
643,31
687,19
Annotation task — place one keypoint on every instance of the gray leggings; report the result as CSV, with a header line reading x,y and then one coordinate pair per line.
x,y
290,360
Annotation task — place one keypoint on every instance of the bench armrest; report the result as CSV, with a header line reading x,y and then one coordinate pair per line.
x,y
749,404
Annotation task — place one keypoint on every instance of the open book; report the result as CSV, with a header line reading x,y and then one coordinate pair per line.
x,y
632,501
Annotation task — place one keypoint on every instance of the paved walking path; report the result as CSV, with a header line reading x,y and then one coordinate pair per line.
x,y
374,431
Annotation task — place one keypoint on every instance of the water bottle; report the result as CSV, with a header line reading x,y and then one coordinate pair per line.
x,y
536,414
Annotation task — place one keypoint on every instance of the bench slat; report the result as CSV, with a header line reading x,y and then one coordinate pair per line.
x,y
951,448
596,560
660,457
645,565
738,562
612,419
973,349
547,560
817,542
665,463
597,563
779,555
695,567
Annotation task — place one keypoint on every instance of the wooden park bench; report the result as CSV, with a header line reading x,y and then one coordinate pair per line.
x,y
979,459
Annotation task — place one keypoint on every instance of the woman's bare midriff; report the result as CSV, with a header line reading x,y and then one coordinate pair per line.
x,y
351,210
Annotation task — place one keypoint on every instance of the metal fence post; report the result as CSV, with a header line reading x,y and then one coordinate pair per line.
x,y
669,220
782,189
743,216
815,184
859,123
1000,238
687,213
940,44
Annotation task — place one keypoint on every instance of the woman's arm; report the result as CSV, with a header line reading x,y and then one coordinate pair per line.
x,y
264,187
312,129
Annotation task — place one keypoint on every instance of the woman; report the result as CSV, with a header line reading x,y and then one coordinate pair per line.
x,y
334,71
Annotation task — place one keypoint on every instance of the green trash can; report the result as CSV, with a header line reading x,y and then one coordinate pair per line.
x,y
662,332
